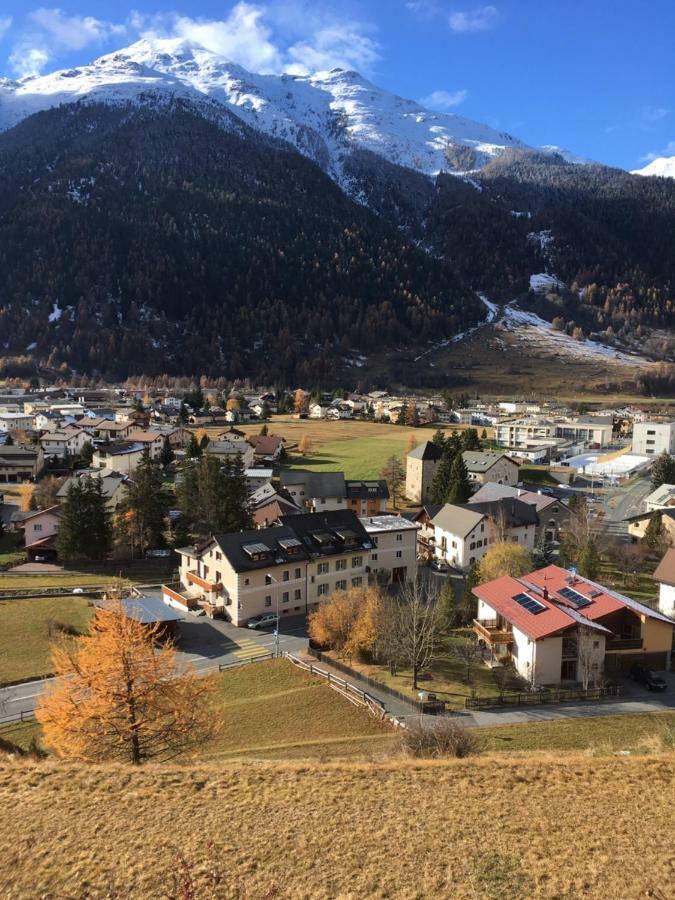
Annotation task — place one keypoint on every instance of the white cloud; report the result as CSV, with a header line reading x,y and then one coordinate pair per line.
x,y
343,46
655,113
444,99
5,25
51,31
27,60
242,36
480,19
282,35
668,150
73,32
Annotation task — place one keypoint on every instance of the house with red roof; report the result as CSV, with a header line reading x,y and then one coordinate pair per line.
x,y
559,627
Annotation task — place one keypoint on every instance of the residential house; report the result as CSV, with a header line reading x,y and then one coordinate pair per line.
x,y
107,429
122,457
315,491
287,568
393,557
556,627
267,448
638,524
19,463
152,441
114,486
653,438
229,450
48,421
16,421
521,434
256,478
485,465
39,530
367,498
662,498
233,435
69,441
462,534
553,512
318,410
664,576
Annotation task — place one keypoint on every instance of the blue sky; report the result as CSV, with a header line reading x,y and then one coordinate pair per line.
x,y
596,77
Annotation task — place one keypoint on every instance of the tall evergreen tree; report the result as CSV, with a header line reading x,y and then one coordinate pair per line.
x,y
460,486
439,439
193,449
167,455
470,440
146,507
85,529
589,559
663,471
654,536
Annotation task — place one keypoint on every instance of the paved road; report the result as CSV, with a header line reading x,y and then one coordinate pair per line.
x,y
204,643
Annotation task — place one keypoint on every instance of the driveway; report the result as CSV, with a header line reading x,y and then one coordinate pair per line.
x,y
203,642
634,700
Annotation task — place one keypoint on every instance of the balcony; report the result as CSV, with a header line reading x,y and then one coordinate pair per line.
x,y
617,643
492,631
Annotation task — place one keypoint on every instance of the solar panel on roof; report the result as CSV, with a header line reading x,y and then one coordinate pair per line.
x,y
529,603
574,597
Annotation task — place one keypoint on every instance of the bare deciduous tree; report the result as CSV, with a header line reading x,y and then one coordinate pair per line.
x,y
466,649
410,628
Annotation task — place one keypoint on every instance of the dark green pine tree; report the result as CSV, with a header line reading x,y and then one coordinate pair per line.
x,y
148,504
469,604
447,605
237,512
187,492
589,559
543,553
193,449
654,536
167,456
70,525
87,453
459,490
440,486
663,471
439,439
470,439
96,526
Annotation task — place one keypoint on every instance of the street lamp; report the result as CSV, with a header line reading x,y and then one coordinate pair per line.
x,y
276,630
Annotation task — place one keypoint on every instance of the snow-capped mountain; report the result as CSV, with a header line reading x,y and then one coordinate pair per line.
x,y
326,115
663,167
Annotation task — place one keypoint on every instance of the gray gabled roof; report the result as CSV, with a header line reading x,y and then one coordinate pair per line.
x,y
427,450
483,460
317,484
459,520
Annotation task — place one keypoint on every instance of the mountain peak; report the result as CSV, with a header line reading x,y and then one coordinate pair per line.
x,y
662,167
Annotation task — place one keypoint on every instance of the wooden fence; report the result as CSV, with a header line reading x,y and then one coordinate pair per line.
x,y
349,691
536,698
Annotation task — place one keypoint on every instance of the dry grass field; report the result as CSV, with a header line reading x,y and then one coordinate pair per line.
x,y
477,828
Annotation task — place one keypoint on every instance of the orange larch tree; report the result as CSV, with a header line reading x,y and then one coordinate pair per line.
x,y
120,695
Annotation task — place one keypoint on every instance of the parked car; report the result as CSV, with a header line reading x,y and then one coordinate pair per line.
x,y
262,621
440,566
157,554
647,678
78,590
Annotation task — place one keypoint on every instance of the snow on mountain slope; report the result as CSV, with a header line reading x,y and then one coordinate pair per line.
x,y
326,115
663,167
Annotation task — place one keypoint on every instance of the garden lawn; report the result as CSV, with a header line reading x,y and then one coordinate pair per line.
x,y
24,640
446,676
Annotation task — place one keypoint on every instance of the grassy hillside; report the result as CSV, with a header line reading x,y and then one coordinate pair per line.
x,y
25,644
485,828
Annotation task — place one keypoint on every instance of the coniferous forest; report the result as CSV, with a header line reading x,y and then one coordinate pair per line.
x,y
162,240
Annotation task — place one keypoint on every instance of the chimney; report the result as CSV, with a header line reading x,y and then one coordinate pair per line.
x,y
545,593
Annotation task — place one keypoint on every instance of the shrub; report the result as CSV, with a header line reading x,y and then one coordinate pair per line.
x,y
55,628
445,737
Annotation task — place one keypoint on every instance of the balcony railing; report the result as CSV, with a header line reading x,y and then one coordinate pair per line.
x,y
624,644
492,631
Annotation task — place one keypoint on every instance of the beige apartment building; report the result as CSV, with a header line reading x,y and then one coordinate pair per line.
x,y
290,567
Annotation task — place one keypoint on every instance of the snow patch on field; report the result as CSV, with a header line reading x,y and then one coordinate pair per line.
x,y
540,334
56,312
542,283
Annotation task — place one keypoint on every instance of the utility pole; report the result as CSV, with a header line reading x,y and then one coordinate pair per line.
x,y
274,581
